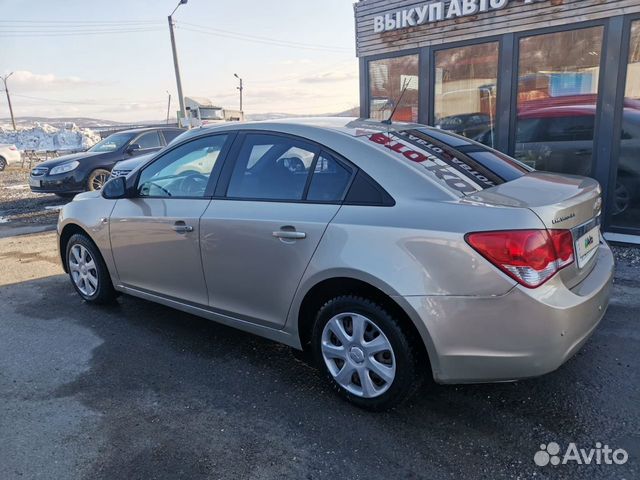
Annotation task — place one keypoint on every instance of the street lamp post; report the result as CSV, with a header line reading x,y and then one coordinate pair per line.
x,y
6,89
240,88
169,107
175,59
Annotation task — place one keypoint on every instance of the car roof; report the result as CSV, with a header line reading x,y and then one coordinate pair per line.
x,y
145,129
350,126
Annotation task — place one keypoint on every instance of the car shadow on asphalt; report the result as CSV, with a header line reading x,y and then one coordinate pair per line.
x,y
166,381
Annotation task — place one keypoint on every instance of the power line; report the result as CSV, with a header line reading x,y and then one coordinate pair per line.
x,y
262,40
51,100
268,39
76,33
83,22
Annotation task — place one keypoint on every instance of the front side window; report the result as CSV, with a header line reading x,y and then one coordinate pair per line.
x,y
557,99
387,80
465,91
148,140
184,171
271,167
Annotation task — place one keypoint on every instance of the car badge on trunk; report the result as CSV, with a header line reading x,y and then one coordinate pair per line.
x,y
562,219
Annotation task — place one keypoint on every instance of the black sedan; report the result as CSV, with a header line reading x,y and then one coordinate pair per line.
x,y
71,174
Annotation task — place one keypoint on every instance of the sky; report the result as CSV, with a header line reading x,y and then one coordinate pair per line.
x,y
112,59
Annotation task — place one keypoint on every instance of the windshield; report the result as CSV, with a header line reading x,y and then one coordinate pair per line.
x,y
211,114
111,143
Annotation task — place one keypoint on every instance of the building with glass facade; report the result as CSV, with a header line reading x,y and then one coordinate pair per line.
x,y
554,83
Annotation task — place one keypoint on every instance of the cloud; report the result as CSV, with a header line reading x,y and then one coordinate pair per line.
x,y
24,80
329,77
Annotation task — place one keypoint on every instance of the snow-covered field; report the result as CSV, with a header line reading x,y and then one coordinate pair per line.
x,y
42,136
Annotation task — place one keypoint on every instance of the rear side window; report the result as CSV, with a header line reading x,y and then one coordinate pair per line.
x,y
169,135
271,167
148,140
460,171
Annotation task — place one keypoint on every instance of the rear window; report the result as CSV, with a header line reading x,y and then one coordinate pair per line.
x,y
477,169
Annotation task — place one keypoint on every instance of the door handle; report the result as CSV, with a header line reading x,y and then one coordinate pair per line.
x,y
290,235
181,227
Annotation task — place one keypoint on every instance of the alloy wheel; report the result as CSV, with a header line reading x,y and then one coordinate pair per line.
x,y
98,178
83,270
622,198
358,355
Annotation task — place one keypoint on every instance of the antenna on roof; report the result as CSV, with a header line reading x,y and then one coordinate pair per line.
x,y
405,85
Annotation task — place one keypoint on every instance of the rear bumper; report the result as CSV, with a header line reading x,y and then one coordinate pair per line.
x,y
12,157
523,333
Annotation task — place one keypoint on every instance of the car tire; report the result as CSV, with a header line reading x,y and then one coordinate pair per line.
x,y
363,355
97,179
3,164
88,272
622,197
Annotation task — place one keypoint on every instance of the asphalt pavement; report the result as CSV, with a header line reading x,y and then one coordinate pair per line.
x,y
141,391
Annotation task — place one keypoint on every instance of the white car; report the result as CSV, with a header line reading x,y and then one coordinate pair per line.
x,y
9,154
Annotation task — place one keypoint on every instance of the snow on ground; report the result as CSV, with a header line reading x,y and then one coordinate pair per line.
x,y
43,136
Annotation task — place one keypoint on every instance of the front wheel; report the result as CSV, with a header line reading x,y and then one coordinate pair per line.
x,y
97,179
365,352
87,270
3,164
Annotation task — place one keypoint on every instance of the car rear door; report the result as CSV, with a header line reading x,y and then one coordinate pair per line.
x,y
275,199
155,236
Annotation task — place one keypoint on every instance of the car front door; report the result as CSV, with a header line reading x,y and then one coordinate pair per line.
x,y
155,236
258,238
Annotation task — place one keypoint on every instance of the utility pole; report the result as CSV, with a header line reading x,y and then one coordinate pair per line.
x,y
175,59
168,107
6,89
239,88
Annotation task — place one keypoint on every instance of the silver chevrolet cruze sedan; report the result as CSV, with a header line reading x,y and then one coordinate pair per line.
x,y
385,252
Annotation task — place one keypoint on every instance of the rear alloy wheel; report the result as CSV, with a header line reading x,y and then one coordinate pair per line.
x,y
3,164
97,179
621,198
365,353
88,271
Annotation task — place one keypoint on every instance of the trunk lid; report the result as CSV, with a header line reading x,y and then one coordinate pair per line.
x,y
565,202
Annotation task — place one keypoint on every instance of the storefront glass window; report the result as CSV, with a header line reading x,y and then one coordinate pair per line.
x,y
557,97
626,205
465,91
387,80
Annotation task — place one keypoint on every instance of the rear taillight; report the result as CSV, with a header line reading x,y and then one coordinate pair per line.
x,y
12,147
529,256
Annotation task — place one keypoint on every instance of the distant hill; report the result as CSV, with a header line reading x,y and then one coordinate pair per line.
x,y
83,122
352,112
86,122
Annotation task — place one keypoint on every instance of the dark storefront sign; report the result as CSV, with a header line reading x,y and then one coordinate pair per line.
x,y
554,83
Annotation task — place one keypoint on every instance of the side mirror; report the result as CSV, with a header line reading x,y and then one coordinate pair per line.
x,y
115,188
132,148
